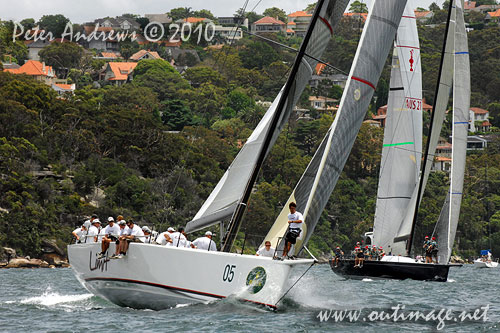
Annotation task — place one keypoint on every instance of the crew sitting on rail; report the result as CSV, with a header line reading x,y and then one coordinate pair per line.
x,y
338,255
179,239
110,234
381,253
205,243
266,250
93,231
360,257
133,234
374,253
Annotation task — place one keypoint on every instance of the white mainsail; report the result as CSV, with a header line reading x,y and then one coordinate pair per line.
x,y
318,181
439,113
224,198
448,219
402,147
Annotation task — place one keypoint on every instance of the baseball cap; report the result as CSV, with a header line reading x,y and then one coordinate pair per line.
x,y
170,229
96,221
146,229
208,233
110,219
122,222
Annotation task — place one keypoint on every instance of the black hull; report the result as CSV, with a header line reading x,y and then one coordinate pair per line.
x,y
392,270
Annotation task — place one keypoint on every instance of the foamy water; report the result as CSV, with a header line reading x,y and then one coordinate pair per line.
x,y
53,300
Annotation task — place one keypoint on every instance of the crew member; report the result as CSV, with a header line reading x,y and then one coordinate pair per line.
x,y
205,243
295,220
434,252
81,232
428,250
133,234
110,234
338,255
266,251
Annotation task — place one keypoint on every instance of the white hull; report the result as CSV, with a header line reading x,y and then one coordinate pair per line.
x,y
160,277
478,263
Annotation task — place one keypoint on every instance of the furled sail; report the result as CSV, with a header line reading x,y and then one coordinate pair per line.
x,y
223,200
318,181
402,147
448,219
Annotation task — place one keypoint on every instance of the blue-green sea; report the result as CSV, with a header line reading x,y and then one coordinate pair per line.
x,y
52,300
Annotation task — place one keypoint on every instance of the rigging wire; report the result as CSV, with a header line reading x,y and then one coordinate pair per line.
x,y
293,285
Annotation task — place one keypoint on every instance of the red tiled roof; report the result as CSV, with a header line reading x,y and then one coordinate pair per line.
x,y
422,14
291,23
496,13
319,68
32,67
486,123
121,70
194,19
109,55
299,13
364,16
479,111
290,31
469,5
64,86
172,44
442,159
269,20
141,53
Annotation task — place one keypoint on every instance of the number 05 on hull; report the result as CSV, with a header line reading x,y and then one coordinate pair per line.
x,y
159,277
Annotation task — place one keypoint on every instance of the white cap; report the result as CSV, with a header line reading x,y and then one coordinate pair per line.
x,y
170,229
122,222
96,221
111,219
208,233
146,229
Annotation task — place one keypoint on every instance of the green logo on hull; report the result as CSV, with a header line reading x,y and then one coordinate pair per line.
x,y
256,279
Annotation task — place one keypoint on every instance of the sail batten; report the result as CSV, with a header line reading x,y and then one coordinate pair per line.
x,y
318,181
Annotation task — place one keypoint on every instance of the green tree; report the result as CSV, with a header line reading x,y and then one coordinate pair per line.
x,y
62,56
205,13
54,24
276,12
358,7
180,13
257,55
175,114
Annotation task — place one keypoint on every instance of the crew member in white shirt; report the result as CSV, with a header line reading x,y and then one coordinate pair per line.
x,y
165,238
205,243
147,234
179,238
81,232
295,220
266,251
109,234
134,234
93,231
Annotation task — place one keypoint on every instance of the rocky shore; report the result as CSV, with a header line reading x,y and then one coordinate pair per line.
x,y
52,257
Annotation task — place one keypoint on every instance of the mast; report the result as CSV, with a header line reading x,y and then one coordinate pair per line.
x,y
427,146
235,222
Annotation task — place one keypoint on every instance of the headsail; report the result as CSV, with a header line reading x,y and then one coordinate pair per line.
x,y
448,220
438,114
402,147
224,198
318,181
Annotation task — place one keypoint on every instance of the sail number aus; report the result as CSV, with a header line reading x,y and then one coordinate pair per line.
x,y
228,274
413,104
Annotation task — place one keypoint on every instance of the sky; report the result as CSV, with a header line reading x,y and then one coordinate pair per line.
x,y
89,10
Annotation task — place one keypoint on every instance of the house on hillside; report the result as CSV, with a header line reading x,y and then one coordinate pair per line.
x,y
63,89
478,120
36,69
485,8
382,112
468,5
145,54
323,103
424,16
493,16
108,55
268,24
118,72
103,40
356,16
298,22
233,21
118,23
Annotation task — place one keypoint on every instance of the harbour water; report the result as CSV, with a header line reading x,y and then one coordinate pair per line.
x,y
52,300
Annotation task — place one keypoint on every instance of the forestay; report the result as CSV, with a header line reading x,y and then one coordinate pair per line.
x,y
448,219
223,200
402,147
318,181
